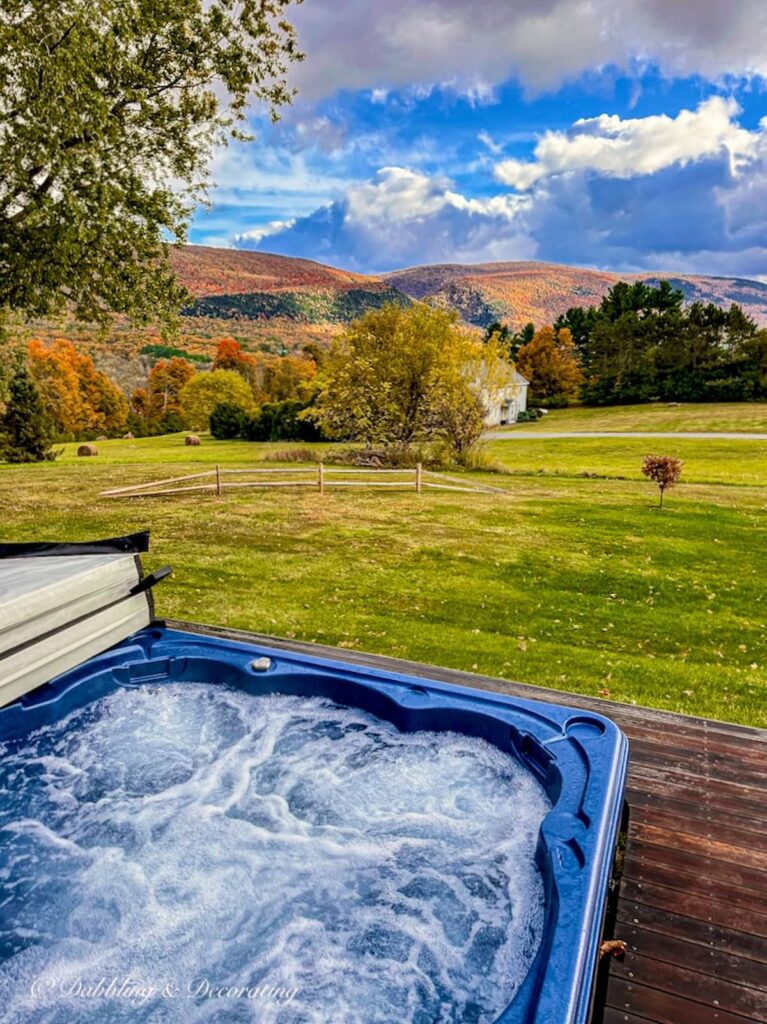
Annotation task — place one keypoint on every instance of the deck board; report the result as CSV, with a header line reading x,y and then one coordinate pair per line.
x,y
692,900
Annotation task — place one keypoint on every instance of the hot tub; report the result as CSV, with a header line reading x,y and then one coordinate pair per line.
x,y
568,767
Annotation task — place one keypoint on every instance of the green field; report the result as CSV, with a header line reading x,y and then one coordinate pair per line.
x,y
746,417
571,581
705,461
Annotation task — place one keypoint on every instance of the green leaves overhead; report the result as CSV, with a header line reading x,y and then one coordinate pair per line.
x,y
109,113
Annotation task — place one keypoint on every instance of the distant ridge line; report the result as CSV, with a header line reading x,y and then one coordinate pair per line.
x,y
515,292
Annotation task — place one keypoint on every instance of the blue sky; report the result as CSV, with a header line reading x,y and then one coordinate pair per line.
x,y
626,135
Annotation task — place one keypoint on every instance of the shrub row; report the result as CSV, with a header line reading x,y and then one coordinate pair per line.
x,y
529,415
274,421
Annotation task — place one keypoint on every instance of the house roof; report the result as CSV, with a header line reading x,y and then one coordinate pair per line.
x,y
519,379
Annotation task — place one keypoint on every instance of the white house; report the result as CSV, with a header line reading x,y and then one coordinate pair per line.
x,y
507,402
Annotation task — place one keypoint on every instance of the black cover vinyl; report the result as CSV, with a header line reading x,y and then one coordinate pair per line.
x,y
132,543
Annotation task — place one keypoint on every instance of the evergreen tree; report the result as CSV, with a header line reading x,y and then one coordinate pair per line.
x,y
511,341
579,320
496,328
25,426
642,343
519,339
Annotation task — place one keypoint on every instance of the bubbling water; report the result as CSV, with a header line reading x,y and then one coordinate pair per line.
x,y
191,852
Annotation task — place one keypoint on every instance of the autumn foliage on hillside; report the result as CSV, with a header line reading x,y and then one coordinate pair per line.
x,y
81,402
518,292
642,343
208,271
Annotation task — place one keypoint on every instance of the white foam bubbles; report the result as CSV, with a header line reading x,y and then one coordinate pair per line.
x,y
186,835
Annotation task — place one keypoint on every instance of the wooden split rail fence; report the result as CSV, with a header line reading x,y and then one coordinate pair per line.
x,y
319,478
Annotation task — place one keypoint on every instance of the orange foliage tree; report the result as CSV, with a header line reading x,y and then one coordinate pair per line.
x,y
55,373
79,398
551,365
230,356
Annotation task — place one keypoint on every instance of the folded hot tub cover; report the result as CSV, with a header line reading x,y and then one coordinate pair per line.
x,y
132,543
61,604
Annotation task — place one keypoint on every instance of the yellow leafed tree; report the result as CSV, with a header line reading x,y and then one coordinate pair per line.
x,y
200,395
400,376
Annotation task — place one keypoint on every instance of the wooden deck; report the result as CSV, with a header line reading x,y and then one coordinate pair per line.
x,y
692,900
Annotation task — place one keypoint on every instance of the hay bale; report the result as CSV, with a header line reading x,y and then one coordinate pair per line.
x,y
128,436
87,449
192,439
102,438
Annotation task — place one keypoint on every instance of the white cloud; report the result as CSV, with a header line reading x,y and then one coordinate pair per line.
x,y
322,132
686,194
401,216
273,227
487,140
397,195
474,45
272,178
636,146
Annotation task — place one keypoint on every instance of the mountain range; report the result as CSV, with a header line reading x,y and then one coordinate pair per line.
x,y
232,284
281,304
240,286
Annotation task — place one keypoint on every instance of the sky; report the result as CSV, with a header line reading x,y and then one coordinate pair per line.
x,y
625,135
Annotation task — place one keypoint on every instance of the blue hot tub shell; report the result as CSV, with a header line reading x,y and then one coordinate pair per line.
x,y
580,759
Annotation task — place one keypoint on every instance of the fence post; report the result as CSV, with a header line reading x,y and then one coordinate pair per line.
x,y
321,478
418,478
218,480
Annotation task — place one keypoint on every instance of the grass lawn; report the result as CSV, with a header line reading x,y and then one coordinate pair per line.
x,y
705,461
749,417
567,581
